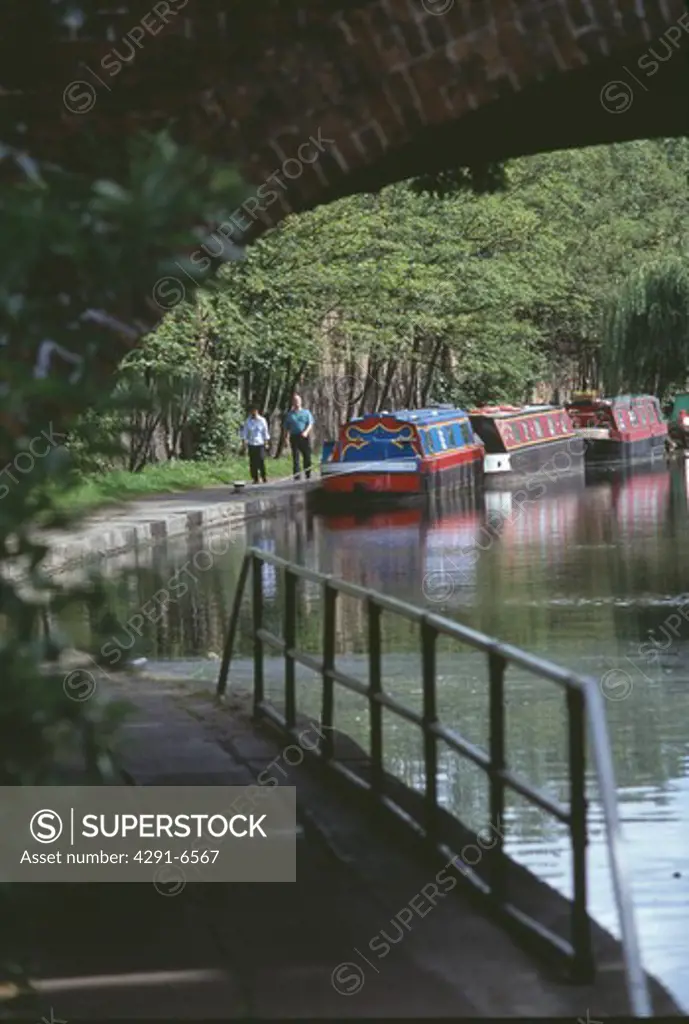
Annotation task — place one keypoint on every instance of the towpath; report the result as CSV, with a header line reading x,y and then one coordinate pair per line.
x,y
303,950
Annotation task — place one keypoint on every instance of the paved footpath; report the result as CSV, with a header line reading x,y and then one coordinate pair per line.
x,y
225,951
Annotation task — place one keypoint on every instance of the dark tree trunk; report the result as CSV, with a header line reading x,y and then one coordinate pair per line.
x,y
411,387
431,372
389,377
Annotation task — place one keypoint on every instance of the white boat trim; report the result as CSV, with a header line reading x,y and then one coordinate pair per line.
x,y
593,433
500,463
379,466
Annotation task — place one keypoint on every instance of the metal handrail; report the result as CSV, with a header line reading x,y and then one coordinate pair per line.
x,y
584,704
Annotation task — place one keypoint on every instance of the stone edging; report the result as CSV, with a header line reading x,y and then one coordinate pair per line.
x,y
113,538
139,525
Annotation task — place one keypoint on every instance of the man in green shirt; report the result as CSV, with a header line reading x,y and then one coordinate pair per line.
x,y
299,424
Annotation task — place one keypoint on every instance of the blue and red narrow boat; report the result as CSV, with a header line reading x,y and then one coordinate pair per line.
x,y
621,430
401,456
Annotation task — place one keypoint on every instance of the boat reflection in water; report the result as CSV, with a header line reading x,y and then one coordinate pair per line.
x,y
605,510
406,552
438,554
524,523
641,502
623,504
526,546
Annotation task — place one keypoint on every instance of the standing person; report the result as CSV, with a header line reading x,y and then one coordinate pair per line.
x,y
255,434
299,424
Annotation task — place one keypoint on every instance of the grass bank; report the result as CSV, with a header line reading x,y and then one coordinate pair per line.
x,y
118,485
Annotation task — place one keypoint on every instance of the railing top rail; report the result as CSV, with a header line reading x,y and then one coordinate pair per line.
x,y
465,634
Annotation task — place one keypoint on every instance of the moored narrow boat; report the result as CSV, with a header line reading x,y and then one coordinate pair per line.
x,y
393,457
523,441
621,430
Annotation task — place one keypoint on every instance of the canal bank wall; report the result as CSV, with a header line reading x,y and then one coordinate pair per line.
x,y
121,534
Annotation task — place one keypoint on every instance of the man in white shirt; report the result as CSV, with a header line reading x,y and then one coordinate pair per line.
x,y
255,434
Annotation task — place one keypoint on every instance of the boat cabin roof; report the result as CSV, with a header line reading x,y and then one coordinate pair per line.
x,y
612,400
419,417
507,411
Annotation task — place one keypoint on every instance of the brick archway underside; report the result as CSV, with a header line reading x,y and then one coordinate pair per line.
x,y
399,90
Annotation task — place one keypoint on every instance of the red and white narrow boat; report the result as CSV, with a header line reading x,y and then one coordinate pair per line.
x,y
523,440
619,431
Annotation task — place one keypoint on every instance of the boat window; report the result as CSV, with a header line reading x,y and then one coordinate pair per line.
x,y
642,414
468,433
538,428
633,419
457,435
429,440
439,438
550,425
436,444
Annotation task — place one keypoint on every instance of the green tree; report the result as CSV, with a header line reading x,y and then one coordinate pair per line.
x,y
81,256
648,330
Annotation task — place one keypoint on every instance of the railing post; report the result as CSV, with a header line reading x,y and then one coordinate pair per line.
x,y
375,688
581,922
430,719
290,644
232,628
496,862
330,598
257,624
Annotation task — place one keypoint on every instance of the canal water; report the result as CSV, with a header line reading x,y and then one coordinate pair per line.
x,y
593,575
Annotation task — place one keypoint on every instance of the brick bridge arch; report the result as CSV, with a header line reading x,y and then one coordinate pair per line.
x,y
390,88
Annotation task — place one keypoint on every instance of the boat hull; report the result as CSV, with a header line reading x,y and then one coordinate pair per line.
x,y
620,431
465,473
615,452
378,485
562,457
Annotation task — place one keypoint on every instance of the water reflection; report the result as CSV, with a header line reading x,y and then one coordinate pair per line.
x,y
395,551
591,576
